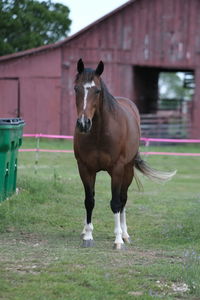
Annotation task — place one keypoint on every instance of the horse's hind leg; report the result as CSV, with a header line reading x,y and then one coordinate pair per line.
x,y
125,235
127,179
116,205
88,179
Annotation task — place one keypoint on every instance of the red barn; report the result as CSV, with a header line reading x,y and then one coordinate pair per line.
x,y
137,41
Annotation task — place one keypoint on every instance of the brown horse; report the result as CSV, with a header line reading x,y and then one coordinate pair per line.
x,y
107,137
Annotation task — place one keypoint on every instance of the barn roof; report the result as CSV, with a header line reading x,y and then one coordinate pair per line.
x,y
68,39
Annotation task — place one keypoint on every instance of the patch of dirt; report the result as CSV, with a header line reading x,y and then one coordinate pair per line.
x,y
24,269
137,293
151,255
23,253
172,288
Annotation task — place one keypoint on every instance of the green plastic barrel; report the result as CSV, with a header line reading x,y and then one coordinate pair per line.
x,y
11,131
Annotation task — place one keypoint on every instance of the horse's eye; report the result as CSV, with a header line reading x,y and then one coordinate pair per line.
x,y
97,91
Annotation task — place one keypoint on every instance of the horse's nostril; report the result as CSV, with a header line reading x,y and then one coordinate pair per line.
x,y
88,125
84,124
88,122
78,122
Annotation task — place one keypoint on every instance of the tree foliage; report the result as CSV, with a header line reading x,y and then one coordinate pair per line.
x,y
171,86
27,24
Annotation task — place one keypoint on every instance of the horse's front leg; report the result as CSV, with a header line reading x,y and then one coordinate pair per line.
x,y
88,179
116,204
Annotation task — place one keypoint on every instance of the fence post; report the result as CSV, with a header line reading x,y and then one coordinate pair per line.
x,y
37,152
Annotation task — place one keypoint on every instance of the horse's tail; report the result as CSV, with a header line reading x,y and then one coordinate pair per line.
x,y
151,173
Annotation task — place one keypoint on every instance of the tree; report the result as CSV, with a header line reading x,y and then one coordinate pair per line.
x,y
171,86
26,24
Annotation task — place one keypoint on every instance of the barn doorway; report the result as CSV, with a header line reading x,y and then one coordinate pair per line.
x,y
164,98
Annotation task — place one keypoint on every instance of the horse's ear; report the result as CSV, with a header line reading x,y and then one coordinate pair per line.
x,y
99,69
80,66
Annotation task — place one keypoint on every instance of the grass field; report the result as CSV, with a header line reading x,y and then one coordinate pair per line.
x,y
40,253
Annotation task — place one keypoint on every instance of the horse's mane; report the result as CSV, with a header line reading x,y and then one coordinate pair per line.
x,y
108,99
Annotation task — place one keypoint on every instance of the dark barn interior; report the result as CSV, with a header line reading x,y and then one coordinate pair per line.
x,y
162,117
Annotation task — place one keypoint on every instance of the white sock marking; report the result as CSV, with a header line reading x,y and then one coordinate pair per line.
x,y
125,234
118,230
87,232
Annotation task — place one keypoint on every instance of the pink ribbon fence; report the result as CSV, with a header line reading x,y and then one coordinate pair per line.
x,y
143,139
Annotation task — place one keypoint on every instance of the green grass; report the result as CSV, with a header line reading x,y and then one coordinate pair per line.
x,y
40,247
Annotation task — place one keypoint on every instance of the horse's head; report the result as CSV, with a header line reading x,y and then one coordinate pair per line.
x,y
88,94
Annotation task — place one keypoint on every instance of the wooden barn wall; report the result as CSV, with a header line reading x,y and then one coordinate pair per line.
x,y
153,33
149,33
40,104
9,89
39,93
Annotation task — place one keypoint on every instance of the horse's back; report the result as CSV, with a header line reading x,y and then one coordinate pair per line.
x,y
129,105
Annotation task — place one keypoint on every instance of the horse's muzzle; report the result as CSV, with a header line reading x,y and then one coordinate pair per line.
x,y
84,124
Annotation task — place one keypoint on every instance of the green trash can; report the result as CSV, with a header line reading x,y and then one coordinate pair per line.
x,y
11,131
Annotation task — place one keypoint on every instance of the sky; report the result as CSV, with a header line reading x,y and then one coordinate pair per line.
x,y
84,12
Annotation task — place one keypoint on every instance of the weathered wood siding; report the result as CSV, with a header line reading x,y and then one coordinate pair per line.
x,y
163,34
150,33
32,90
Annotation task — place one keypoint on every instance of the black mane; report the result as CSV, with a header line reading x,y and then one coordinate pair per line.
x,y
108,99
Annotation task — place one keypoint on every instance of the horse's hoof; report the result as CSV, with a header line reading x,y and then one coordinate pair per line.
x,y
119,246
127,240
88,243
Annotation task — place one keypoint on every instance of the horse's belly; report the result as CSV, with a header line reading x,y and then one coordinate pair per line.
x,y
104,161
98,161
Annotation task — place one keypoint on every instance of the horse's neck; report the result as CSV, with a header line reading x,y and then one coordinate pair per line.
x,y
101,119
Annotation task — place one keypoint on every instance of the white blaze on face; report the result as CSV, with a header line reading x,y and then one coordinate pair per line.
x,y
87,86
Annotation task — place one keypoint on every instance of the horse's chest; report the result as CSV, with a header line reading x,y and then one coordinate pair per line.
x,y
98,153
98,159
